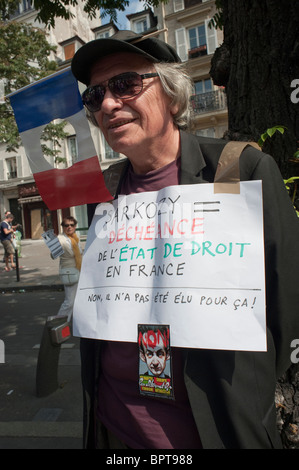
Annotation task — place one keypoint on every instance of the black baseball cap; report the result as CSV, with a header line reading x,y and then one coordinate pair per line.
x,y
151,48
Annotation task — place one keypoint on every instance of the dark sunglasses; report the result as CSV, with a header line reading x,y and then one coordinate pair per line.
x,y
69,225
122,86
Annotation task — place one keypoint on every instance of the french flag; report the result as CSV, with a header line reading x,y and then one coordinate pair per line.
x,y
58,97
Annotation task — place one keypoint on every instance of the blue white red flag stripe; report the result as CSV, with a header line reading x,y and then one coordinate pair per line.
x,y
58,97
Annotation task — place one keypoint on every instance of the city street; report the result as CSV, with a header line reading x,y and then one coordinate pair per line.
x,y
28,421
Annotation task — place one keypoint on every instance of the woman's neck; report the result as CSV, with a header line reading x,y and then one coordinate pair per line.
x,y
158,154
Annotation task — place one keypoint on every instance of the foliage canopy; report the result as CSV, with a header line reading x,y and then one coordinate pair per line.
x,y
24,52
48,10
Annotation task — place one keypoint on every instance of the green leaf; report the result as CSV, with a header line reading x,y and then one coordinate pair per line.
x,y
269,133
24,52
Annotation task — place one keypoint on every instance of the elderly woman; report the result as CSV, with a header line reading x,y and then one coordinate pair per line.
x,y
138,95
70,264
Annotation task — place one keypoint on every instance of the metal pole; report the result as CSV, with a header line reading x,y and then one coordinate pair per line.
x,y
17,265
48,358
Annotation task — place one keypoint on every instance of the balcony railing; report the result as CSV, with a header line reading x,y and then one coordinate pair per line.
x,y
197,51
21,9
11,175
208,102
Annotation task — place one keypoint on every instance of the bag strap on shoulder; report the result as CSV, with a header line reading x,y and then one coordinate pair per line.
x,y
227,176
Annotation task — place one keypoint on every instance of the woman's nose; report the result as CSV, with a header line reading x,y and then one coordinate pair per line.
x,y
110,102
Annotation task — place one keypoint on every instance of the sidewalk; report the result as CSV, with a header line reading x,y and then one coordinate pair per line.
x,y
37,269
28,421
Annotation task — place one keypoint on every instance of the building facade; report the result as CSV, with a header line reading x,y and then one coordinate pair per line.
x,y
18,191
184,24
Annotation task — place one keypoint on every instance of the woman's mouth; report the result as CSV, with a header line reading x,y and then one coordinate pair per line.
x,y
120,123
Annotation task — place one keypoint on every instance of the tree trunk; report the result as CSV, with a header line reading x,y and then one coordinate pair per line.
x,y
257,63
287,406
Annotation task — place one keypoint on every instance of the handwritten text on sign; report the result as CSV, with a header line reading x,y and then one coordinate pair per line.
x,y
182,256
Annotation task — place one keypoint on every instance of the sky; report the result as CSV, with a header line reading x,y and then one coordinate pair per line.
x,y
134,7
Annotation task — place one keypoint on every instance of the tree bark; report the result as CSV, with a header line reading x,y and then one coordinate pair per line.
x,y
287,406
257,63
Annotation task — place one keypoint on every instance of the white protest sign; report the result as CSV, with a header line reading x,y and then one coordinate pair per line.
x,y
53,243
182,256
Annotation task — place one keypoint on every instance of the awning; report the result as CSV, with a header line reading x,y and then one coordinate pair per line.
x,y
27,200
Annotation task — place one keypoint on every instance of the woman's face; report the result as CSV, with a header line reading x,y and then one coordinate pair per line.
x,y
69,227
133,125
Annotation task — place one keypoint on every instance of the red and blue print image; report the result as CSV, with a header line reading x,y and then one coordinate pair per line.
x,y
155,368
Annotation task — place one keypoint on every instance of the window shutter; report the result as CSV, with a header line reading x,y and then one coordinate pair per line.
x,y
19,166
211,35
2,91
181,43
178,5
69,51
2,170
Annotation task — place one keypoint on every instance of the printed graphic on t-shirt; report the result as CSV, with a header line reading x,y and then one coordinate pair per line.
x,y
155,368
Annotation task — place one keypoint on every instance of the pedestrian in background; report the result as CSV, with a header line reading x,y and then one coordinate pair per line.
x,y
69,264
6,237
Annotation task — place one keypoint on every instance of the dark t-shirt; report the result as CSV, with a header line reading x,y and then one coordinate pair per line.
x,y
3,236
144,422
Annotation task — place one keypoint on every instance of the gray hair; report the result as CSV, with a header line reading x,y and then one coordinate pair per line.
x,y
178,85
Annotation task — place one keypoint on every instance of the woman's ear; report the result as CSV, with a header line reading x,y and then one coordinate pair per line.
x,y
174,109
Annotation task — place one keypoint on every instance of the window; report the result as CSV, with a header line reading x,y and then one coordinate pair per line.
x,y
104,32
209,132
72,148
69,51
103,35
109,152
70,46
203,86
180,37
196,41
26,5
2,91
206,99
178,5
197,37
11,166
141,25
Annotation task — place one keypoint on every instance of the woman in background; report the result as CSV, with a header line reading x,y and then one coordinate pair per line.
x,y
71,260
